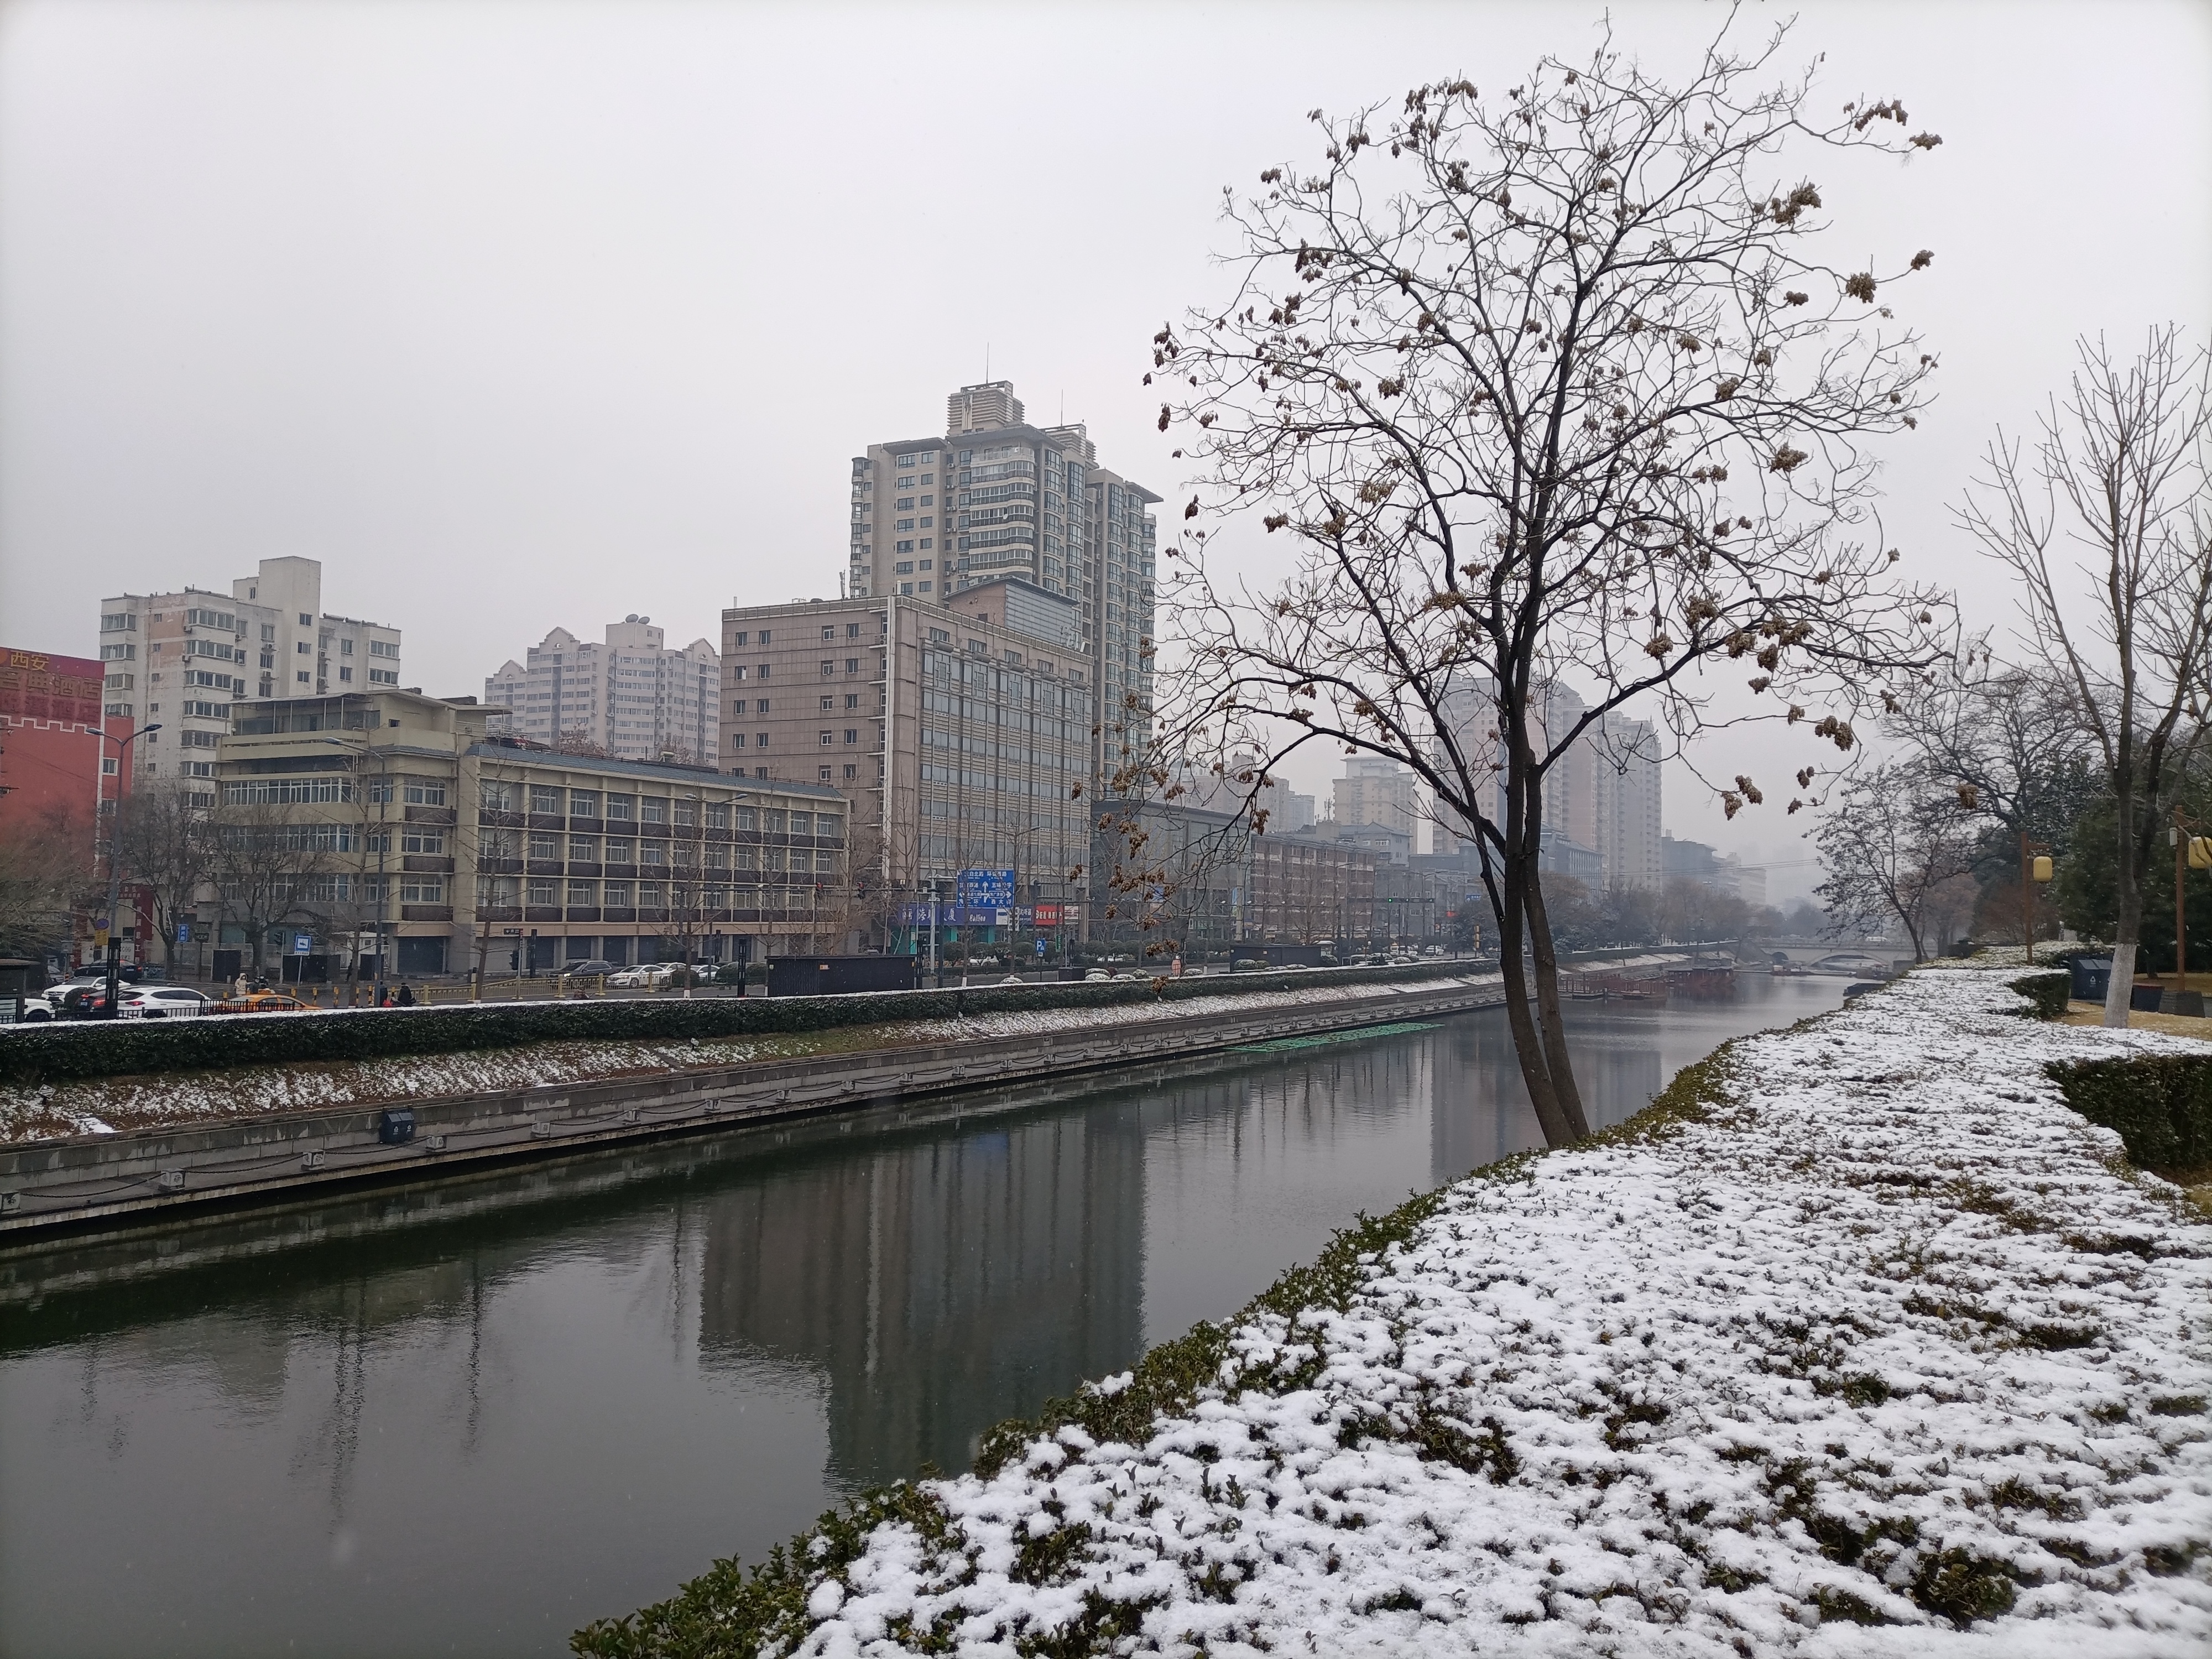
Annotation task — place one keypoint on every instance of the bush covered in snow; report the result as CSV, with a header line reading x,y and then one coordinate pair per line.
x,y
1861,1342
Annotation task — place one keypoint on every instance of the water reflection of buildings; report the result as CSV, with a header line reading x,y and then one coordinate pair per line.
x,y
936,1284
1479,1111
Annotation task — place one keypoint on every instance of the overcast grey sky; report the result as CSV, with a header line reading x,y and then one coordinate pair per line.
x,y
522,314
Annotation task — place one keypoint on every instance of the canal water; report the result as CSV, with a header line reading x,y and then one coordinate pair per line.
x,y
468,1418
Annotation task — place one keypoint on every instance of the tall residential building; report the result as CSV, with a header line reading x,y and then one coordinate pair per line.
x,y
1625,788
996,498
1378,793
959,732
634,697
178,658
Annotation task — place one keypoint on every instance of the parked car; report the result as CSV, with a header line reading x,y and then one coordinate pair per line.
x,y
646,977
36,1008
158,1001
257,1002
586,969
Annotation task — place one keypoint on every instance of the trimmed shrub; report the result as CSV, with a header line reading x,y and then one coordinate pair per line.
x,y
2048,992
65,1051
2161,1105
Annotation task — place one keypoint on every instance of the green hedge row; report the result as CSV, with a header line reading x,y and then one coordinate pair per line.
x,y
2161,1105
31,1055
2048,992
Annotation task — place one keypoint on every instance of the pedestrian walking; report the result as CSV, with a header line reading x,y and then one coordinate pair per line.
x,y
406,994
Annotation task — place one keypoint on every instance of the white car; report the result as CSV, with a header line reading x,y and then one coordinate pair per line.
x,y
161,1001
36,1008
647,976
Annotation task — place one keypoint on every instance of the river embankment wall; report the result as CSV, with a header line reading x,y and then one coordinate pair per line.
x,y
64,1185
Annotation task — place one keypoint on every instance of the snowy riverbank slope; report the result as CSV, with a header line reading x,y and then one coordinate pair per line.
x,y
1884,1352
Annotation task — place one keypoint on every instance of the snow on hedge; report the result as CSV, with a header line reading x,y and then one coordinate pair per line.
x,y
102,1105
1884,1351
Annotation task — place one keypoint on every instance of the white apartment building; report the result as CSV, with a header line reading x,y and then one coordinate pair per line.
x,y
631,696
178,659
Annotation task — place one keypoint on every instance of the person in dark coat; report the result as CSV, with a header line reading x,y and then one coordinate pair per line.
x,y
406,994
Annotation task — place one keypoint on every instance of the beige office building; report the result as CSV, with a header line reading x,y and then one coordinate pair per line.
x,y
959,732
399,818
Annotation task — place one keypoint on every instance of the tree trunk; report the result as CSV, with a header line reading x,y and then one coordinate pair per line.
x,y
1539,1033
2119,990
1550,1019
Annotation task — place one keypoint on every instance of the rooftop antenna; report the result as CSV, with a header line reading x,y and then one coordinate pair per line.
x,y
1063,405
987,361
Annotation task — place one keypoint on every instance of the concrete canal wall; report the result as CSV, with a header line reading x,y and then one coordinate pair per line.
x,y
56,1188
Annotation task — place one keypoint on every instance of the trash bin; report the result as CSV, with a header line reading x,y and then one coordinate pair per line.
x,y
2092,976
2145,999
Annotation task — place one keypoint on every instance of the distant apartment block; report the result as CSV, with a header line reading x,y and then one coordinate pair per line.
x,y
1376,794
631,696
1602,797
178,659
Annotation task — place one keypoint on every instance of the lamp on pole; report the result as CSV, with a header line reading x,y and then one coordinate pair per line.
x,y
109,1011
2035,870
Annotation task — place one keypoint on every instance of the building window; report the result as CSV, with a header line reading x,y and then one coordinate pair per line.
x,y
583,892
828,737
543,889
618,895
583,803
738,672
851,773
825,774
421,889
760,741
852,734
737,738
107,766
718,814
379,677
425,792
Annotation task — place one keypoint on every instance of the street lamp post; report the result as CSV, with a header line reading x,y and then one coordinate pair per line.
x,y
109,1011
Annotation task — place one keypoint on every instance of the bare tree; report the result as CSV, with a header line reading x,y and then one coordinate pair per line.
x,y
1896,846
2121,470
46,871
270,869
1550,384
2011,740
166,845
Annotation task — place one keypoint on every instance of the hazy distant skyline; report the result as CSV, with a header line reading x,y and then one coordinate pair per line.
x,y
524,315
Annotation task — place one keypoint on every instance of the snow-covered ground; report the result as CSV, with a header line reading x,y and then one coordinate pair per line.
x,y
1888,1352
103,1105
